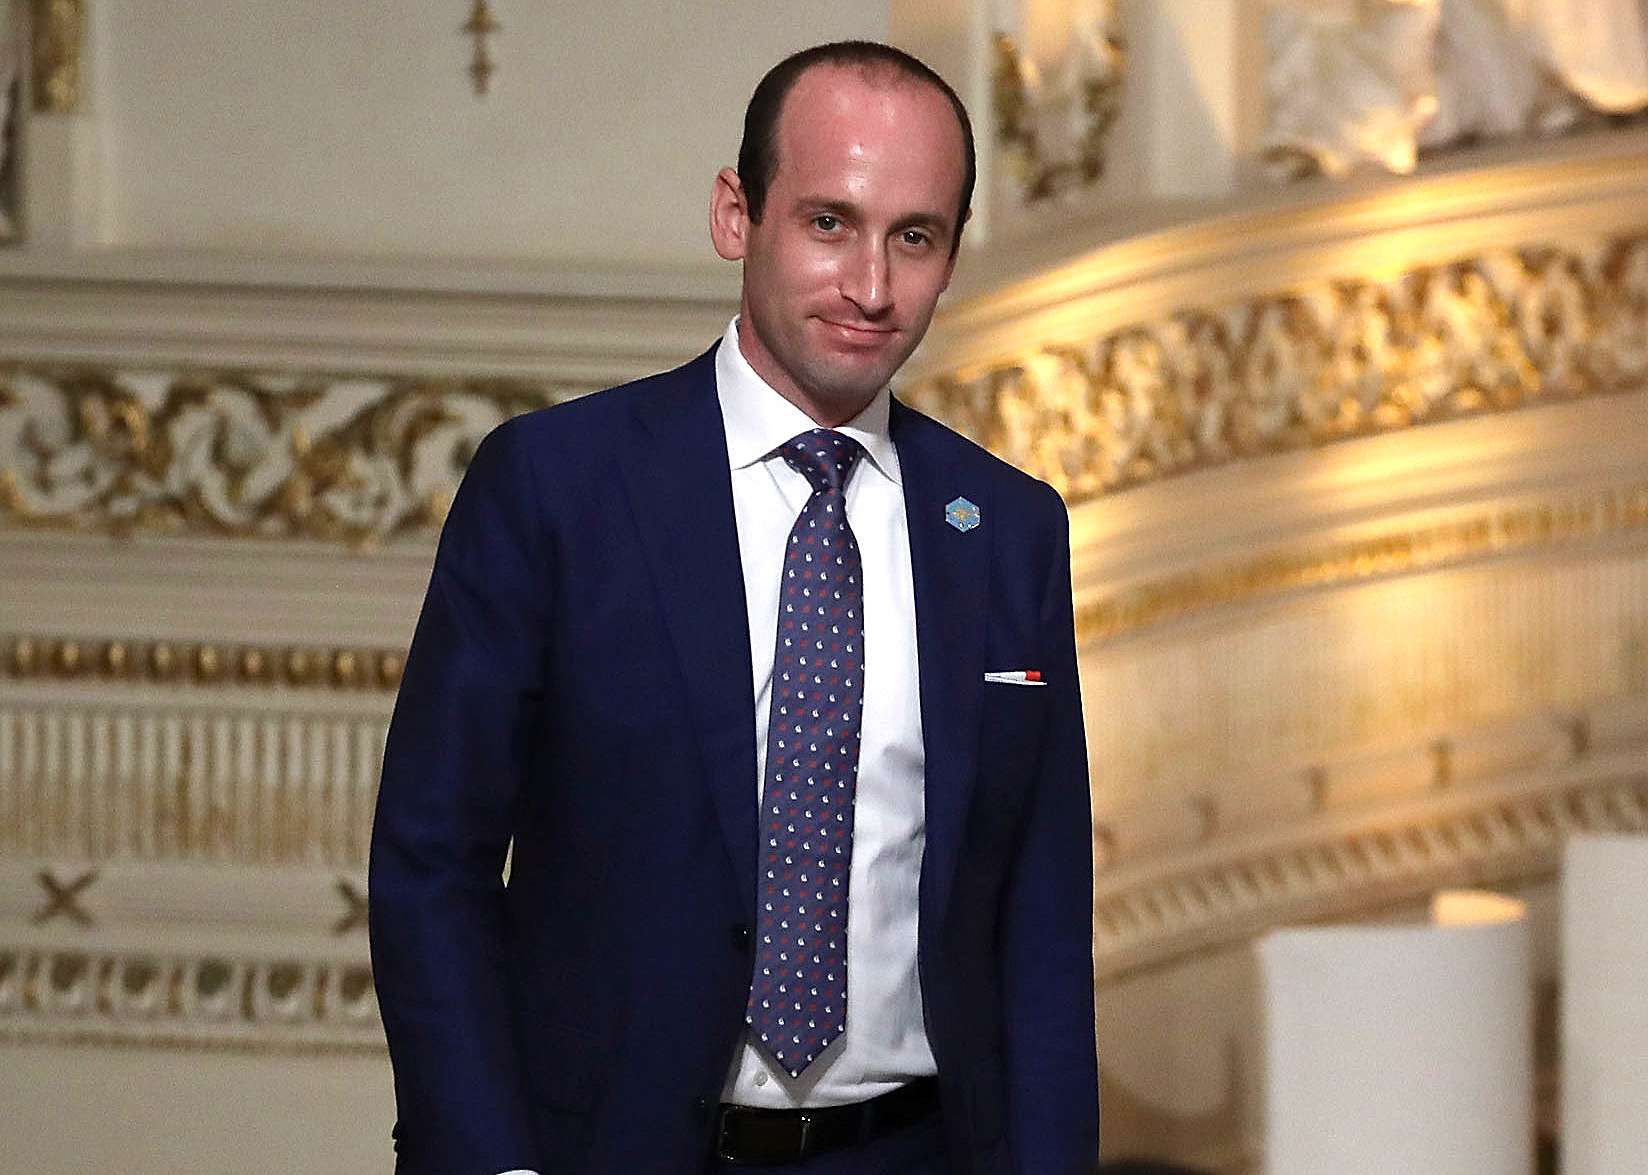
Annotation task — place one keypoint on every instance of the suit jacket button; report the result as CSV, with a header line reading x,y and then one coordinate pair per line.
x,y
741,937
701,1106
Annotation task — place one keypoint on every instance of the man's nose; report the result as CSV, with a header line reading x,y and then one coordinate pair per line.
x,y
866,281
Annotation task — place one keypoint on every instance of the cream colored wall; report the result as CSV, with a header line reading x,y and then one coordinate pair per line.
x,y
317,127
99,1112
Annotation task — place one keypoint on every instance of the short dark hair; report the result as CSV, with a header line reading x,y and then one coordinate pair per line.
x,y
758,153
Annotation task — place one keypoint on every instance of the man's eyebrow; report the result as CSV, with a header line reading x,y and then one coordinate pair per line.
x,y
936,221
842,208
847,210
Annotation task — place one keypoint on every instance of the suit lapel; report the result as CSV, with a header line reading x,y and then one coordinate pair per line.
x,y
680,491
951,574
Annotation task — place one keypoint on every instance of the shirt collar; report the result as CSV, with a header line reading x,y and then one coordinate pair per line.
x,y
758,419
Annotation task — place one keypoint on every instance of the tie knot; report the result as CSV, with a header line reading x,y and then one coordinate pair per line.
x,y
823,456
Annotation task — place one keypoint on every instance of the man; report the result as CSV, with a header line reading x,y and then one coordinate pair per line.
x,y
771,684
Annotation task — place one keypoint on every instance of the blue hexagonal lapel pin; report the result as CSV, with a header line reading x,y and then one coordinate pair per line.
x,y
963,515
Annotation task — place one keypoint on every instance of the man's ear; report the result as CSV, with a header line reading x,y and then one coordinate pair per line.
x,y
729,216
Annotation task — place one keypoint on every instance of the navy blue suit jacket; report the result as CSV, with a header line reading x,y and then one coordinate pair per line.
x,y
579,685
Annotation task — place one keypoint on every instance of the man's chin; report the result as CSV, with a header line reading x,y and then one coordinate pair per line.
x,y
850,389
855,376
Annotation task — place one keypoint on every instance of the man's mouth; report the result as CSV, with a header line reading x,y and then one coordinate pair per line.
x,y
861,333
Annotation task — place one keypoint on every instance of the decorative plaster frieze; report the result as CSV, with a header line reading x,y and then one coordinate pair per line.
x,y
1222,893
358,458
346,458
169,782
217,1002
116,661
1326,361
1523,529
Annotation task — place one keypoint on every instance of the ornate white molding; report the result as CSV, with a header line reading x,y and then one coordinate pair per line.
x,y
434,318
1349,859
358,458
74,996
264,454
1109,274
247,784
1521,530
277,398
339,401
120,661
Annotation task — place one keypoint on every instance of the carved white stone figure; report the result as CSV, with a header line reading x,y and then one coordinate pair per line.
x,y
1599,48
1492,81
1067,70
1356,82
1350,83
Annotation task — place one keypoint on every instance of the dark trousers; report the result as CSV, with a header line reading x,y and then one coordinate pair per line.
x,y
915,1150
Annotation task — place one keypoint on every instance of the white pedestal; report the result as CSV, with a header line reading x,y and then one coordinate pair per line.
x,y
1604,1009
1402,1048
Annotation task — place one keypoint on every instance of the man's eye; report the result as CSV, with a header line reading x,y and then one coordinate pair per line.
x,y
916,237
824,222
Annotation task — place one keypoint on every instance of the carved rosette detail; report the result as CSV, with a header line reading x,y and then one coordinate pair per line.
x,y
352,459
1329,361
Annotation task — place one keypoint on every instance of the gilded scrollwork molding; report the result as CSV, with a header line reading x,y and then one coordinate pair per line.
x,y
1515,530
356,459
116,660
1328,361
216,1002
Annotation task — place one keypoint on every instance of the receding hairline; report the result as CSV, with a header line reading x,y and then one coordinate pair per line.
x,y
878,74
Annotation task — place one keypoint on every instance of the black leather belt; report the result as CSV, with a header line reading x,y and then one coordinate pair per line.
x,y
749,1135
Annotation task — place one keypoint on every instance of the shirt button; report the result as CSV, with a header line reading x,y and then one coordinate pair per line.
x,y
761,1078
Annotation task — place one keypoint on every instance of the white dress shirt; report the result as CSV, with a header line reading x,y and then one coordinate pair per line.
x,y
885,1042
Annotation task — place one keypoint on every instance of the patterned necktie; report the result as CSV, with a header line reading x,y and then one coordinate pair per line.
x,y
798,1000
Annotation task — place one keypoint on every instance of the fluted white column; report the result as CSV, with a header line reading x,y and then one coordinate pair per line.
x,y
1604,1005
1401,1048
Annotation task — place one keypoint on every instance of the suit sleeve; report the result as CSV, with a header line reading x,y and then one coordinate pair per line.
x,y
453,765
1047,926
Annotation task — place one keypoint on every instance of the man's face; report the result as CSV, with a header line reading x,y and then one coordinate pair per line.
x,y
854,245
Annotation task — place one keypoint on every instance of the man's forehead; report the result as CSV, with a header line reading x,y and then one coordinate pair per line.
x,y
861,91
